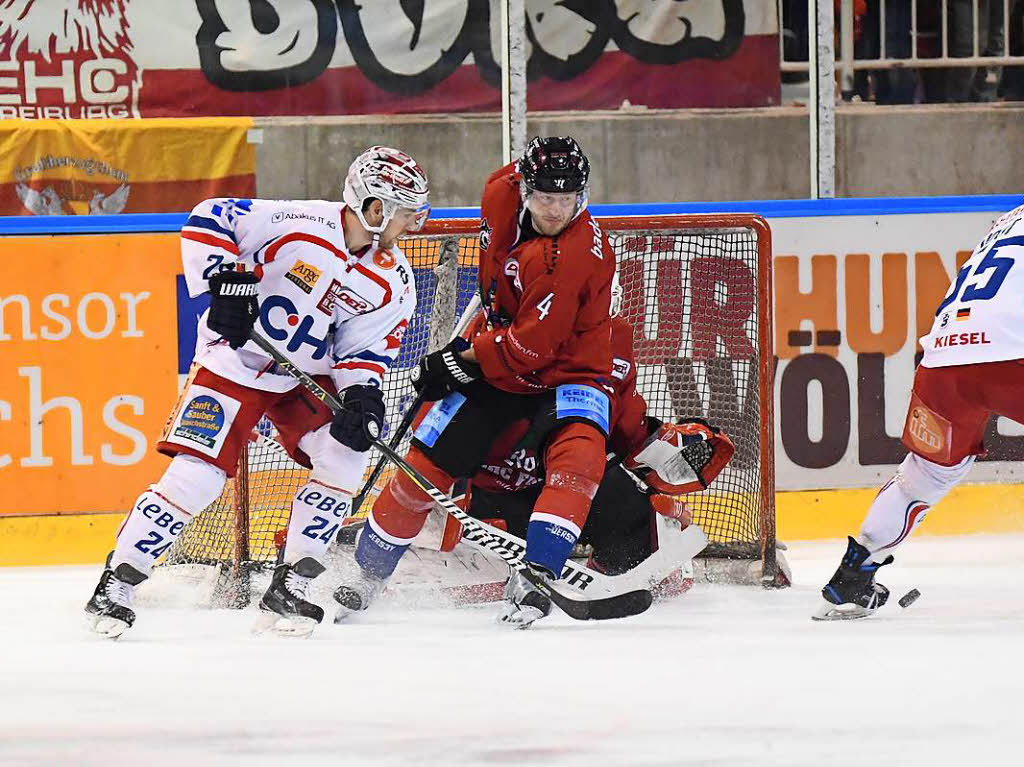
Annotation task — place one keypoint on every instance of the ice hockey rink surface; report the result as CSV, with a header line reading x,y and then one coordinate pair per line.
x,y
724,675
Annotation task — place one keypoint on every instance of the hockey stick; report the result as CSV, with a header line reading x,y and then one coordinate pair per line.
x,y
686,545
620,606
410,413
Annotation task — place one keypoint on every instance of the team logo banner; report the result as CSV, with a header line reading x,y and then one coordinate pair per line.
x,y
148,58
65,167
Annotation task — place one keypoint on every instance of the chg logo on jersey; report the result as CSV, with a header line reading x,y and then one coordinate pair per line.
x,y
203,420
304,276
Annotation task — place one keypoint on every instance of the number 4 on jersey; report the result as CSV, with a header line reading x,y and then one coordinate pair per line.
x,y
544,307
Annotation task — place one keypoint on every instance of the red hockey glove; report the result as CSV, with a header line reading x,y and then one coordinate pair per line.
x,y
682,458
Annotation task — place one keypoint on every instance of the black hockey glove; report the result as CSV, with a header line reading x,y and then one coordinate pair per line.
x,y
439,374
233,306
360,406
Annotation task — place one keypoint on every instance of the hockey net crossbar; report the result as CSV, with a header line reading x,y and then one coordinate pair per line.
x,y
697,290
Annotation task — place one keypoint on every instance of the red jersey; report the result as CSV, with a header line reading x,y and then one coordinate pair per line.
x,y
508,469
547,297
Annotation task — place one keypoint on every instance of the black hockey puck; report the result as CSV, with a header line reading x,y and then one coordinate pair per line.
x,y
909,598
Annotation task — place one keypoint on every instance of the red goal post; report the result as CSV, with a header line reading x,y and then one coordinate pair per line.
x,y
697,290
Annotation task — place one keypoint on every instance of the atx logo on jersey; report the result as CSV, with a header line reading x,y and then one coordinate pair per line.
x,y
300,336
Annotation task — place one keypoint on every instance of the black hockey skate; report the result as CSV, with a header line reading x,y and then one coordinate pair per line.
x,y
852,592
285,607
109,609
524,603
357,594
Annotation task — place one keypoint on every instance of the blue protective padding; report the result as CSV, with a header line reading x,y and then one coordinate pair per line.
x,y
375,555
549,545
576,402
438,418
845,206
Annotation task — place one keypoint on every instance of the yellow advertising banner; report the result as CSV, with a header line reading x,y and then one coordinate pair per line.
x,y
88,339
63,167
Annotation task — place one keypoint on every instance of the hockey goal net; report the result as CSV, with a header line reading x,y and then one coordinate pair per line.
x,y
696,289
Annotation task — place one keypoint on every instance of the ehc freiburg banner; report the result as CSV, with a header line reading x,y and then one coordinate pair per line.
x,y
146,58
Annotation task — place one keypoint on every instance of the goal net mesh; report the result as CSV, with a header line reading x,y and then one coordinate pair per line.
x,y
696,291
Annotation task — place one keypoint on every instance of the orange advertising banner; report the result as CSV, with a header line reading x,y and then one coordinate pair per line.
x,y
62,167
88,340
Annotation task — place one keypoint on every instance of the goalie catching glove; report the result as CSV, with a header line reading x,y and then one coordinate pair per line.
x,y
439,374
233,306
681,458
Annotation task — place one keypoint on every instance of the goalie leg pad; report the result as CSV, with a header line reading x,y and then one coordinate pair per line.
x,y
904,501
317,512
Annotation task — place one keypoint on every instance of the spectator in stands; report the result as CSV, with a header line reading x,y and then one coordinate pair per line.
x,y
986,78
891,86
1011,85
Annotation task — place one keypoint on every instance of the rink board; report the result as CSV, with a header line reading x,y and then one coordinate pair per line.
x,y
805,515
855,281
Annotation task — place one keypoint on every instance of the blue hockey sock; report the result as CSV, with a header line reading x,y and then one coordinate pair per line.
x,y
377,552
549,541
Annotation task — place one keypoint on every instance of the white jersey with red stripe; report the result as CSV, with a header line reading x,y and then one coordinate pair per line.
x,y
330,311
981,319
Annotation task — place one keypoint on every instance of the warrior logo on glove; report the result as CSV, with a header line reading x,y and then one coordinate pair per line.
x,y
233,306
682,458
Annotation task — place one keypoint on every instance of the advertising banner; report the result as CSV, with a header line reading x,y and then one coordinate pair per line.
x,y
93,358
88,338
76,167
853,294
146,58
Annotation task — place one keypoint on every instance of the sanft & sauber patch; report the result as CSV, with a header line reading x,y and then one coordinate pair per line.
x,y
204,420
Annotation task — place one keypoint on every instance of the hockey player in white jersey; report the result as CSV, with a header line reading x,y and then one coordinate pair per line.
x,y
326,284
972,369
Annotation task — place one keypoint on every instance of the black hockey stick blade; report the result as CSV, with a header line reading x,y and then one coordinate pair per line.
x,y
606,608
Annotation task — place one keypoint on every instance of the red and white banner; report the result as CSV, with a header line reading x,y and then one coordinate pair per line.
x,y
146,58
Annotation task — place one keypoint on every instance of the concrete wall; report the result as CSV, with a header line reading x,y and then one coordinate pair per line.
x,y
667,156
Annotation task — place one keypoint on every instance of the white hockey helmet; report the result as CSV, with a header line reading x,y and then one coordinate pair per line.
x,y
390,176
616,305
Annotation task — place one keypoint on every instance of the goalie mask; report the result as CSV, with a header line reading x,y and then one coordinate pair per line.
x,y
392,177
681,458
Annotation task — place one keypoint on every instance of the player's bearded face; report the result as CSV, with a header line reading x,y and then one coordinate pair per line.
x,y
551,211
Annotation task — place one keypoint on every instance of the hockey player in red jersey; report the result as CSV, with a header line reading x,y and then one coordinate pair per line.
x,y
620,527
972,369
326,284
545,276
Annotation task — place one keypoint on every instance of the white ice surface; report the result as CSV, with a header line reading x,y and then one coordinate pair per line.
x,y
722,676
